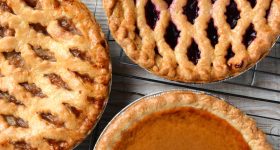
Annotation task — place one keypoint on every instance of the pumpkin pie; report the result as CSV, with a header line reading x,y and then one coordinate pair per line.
x,y
181,120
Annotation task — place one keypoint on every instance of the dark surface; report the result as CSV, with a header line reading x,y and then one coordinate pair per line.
x,y
193,53
212,33
152,15
249,36
230,53
171,35
253,3
169,2
233,14
191,10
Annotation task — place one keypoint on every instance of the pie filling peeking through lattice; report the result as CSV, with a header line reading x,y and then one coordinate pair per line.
x,y
195,40
54,75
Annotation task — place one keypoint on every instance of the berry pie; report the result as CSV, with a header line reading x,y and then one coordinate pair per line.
x,y
55,74
196,41
182,120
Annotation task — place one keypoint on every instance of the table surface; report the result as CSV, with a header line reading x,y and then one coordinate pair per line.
x,y
256,92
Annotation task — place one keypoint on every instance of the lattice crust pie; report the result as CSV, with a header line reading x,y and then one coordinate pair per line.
x,y
194,40
181,120
54,73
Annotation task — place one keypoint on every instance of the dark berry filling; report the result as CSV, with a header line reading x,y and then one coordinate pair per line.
x,y
169,2
193,53
230,53
191,10
212,33
151,13
268,10
171,35
156,51
253,3
137,31
233,14
249,36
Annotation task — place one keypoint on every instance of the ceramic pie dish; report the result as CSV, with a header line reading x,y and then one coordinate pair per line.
x,y
55,74
194,41
181,120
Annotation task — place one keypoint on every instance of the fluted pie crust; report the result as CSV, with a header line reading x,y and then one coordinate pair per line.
x,y
128,119
55,74
141,28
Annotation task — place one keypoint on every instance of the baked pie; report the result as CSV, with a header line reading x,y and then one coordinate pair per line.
x,y
55,74
194,41
181,120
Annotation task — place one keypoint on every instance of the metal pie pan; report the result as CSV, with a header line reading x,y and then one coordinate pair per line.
x,y
149,96
98,118
211,82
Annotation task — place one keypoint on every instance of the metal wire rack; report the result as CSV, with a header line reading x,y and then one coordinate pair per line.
x,y
256,92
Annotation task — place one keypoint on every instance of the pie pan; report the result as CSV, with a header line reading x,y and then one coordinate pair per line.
x,y
238,48
99,117
145,106
217,81
55,84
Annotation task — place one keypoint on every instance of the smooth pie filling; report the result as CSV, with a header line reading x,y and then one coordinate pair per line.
x,y
181,129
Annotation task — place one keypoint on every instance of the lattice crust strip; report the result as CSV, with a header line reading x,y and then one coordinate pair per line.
x,y
54,76
195,40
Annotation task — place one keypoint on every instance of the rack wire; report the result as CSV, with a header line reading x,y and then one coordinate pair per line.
x,y
260,85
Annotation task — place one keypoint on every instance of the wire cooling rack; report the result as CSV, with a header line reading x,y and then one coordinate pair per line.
x,y
256,92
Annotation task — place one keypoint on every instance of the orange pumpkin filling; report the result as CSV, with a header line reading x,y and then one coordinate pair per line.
x,y
182,129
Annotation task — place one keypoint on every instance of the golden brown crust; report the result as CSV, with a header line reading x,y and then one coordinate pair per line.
x,y
179,99
125,18
55,73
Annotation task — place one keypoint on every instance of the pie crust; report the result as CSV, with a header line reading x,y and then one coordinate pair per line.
x,y
55,74
178,99
195,41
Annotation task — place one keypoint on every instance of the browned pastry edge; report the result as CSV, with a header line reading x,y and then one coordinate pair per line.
x,y
255,138
97,40
89,125
122,20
